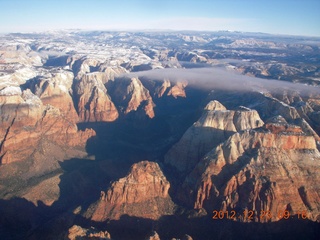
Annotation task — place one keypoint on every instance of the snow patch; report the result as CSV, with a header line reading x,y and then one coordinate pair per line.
x,y
10,91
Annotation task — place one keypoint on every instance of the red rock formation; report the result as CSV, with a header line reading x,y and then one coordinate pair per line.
x,y
166,88
131,94
25,122
280,128
215,126
94,104
258,171
142,193
178,90
55,90
160,90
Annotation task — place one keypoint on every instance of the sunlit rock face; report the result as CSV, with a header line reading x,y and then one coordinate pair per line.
x,y
270,169
142,193
93,102
55,89
26,121
214,127
131,95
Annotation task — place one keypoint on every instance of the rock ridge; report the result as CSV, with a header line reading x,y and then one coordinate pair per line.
x,y
143,192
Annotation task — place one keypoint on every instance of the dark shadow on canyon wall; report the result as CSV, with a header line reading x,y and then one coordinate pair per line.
x,y
112,151
135,137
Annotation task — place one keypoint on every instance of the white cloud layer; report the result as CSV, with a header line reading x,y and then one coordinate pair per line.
x,y
221,79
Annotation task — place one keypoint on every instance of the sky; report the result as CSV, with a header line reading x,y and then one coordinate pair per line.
x,y
293,17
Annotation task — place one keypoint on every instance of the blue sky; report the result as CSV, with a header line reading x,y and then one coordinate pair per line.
x,y
295,17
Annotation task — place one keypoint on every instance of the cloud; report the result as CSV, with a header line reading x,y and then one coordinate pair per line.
x,y
215,78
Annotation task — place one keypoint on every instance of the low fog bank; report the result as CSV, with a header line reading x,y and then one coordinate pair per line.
x,y
222,79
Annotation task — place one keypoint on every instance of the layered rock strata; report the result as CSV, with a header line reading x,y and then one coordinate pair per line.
x,y
269,170
215,126
56,89
132,95
93,102
26,121
142,193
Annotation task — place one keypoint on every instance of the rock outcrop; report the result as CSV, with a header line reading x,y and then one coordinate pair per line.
x,y
93,102
163,88
178,90
142,193
267,170
78,233
56,89
214,127
25,122
166,87
132,95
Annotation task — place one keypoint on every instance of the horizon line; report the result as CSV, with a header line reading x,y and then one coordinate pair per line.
x,y
153,30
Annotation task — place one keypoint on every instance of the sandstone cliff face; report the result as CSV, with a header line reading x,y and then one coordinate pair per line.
x,y
93,102
55,90
161,90
25,122
301,110
269,169
131,95
142,193
178,90
166,87
215,126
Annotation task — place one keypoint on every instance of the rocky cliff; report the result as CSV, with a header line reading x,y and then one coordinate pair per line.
x,y
142,193
165,87
297,108
55,89
132,95
178,89
268,170
26,121
93,102
215,126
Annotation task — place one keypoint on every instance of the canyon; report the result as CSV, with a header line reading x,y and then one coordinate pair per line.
x,y
111,137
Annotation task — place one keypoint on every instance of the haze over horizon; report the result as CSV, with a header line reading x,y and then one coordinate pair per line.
x,y
297,17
